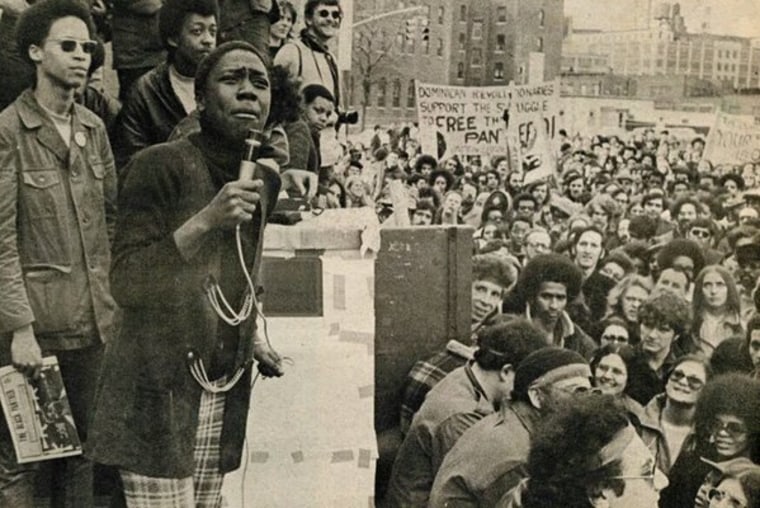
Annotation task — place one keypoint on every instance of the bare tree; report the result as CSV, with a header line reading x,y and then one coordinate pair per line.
x,y
371,48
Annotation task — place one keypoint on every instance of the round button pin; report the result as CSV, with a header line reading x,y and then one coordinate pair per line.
x,y
80,139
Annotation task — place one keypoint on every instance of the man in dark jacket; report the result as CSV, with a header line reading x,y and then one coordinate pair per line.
x,y
57,212
174,394
165,95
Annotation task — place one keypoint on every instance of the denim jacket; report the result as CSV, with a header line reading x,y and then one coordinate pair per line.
x,y
57,210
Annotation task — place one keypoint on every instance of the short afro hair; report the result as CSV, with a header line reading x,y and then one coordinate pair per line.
x,y
33,26
548,268
311,92
621,259
493,268
666,308
566,472
208,63
173,13
676,208
507,343
681,247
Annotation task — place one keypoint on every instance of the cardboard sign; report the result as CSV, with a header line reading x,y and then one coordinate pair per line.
x,y
733,139
458,120
532,127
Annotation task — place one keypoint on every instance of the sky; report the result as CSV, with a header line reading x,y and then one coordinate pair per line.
x,y
725,17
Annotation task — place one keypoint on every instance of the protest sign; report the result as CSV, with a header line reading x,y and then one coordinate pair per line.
x,y
733,139
461,120
532,127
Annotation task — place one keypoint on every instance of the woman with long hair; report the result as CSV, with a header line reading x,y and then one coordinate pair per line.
x,y
624,301
282,31
609,368
717,307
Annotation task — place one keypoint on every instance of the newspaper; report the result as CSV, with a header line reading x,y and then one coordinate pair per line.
x,y
38,414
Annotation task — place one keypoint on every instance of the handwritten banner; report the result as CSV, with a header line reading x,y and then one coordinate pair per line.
x,y
462,120
733,139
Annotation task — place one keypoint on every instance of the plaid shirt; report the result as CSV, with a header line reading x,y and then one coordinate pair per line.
x,y
426,374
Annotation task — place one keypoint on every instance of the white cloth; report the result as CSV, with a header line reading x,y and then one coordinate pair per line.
x,y
184,88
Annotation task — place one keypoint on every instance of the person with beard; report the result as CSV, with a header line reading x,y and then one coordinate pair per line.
x,y
175,386
165,95
487,461
667,423
462,398
423,214
683,212
492,276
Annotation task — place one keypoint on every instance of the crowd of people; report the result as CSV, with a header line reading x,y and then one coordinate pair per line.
x,y
615,354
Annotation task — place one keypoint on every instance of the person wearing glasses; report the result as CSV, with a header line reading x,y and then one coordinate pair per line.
x,y
716,309
307,57
605,464
667,424
703,231
487,460
165,95
727,430
57,216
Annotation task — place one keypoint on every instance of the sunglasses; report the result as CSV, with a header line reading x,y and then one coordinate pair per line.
x,y
722,495
70,45
694,382
733,429
326,13
615,338
700,233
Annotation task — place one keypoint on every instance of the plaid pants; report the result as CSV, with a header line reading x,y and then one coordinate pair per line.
x,y
204,488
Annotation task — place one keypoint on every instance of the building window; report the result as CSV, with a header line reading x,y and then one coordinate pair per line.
x,y
477,30
501,14
477,57
381,91
410,94
498,71
426,45
462,41
541,18
501,42
719,67
439,48
460,70
396,97
400,42
441,12
463,13
539,43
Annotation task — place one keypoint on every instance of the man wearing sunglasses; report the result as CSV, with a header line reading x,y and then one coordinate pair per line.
x,y
307,58
57,216
165,95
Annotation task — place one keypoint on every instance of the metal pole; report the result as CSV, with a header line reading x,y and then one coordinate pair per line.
x,y
387,15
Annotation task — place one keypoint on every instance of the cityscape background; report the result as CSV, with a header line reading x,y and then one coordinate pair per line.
x,y
634,63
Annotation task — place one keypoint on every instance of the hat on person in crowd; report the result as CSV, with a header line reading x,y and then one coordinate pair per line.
x,y
380,154
564,205
498,200
624,175
732,466
546,366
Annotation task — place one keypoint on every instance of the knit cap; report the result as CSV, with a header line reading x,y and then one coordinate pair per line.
x,y
549,365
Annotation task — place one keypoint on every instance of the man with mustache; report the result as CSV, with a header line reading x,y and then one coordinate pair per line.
x,y
165,95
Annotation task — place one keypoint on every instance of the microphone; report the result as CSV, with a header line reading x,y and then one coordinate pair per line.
x,y
253,144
